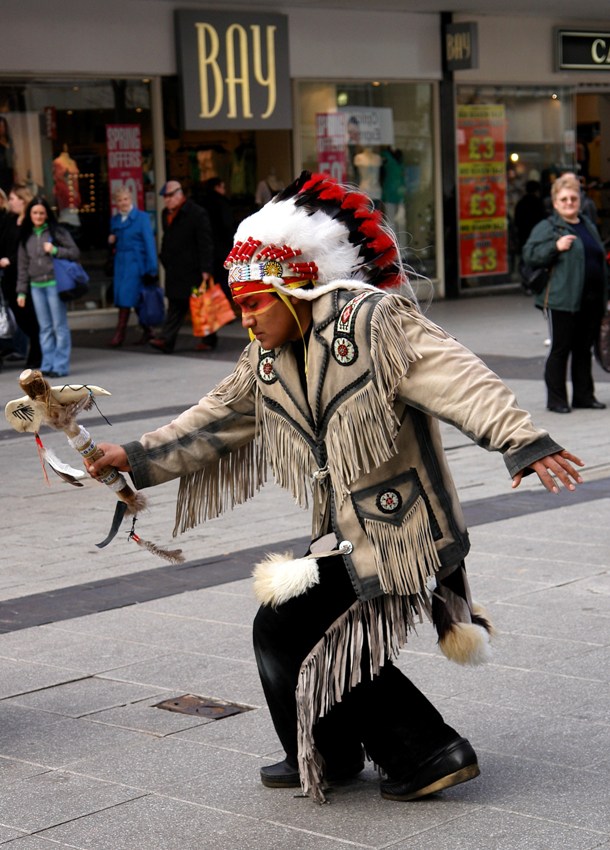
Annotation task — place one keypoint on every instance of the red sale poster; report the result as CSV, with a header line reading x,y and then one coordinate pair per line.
x,y
483,227
124,144
331,141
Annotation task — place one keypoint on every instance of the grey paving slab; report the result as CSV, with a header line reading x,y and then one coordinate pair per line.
x,y
13,770
236,607
35,842
356,812
495,830
84,697
17,677
158,823
7,833
53,741
251,732
527,617
56,797
575,798
204,675
143,716
151,763
564,742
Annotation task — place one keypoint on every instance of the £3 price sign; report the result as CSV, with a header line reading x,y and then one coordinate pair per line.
x,y
482,190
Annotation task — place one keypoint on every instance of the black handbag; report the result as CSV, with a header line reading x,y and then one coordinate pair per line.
x,y
602,344
533,280
151,305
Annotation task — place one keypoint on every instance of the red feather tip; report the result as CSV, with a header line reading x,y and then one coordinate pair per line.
x,y
355,200
313,181
382,243
332,192
370,228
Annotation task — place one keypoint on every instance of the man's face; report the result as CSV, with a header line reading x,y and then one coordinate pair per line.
x,y
173,196
270,320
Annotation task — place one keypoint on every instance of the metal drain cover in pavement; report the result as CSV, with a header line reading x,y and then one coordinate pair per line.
x,y
202,706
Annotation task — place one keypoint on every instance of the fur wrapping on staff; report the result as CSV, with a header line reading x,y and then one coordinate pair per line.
x,y
280,577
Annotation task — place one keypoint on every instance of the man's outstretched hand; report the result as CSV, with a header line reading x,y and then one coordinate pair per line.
x,y
554,468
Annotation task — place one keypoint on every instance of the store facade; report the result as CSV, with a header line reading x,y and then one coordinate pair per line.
x,y
115,109
519,125
352,93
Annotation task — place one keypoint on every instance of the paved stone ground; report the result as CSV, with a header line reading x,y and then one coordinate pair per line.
x,y
91,640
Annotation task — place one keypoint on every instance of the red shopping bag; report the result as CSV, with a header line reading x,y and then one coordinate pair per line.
x,y
210,310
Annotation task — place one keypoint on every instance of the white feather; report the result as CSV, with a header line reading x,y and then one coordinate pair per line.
x,y
322,239
64,470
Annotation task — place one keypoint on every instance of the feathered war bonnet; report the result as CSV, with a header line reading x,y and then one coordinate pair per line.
x,y
318,232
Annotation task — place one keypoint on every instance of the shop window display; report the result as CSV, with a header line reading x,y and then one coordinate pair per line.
x,y
53,138
513,142
379,136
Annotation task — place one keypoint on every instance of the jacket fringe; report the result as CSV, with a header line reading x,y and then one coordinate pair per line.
x,y
290,455
406,557
382,624
388,333
238,384
235,477
208,493
360,437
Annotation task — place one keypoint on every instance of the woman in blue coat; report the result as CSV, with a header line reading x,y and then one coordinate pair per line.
x,y
135,256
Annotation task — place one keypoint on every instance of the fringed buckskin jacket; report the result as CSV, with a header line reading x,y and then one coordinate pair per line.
x,y
363,440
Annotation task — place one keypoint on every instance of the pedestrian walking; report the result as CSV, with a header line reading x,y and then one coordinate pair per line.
x,y
187,255
135,260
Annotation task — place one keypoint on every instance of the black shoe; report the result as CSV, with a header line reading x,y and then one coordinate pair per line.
x,y
285,775
280,775
559,408
454,763
591,405
159,345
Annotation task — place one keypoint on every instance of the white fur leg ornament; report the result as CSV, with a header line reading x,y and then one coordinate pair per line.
x,y
281,577
469,643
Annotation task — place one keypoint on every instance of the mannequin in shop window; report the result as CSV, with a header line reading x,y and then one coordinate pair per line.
x,y
393,190
66,190
268,188
368,165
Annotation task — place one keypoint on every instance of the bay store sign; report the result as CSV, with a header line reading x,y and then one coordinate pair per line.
x,y
582,50
234,70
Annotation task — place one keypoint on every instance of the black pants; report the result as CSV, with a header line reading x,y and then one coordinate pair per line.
x,y
572,334
177,308
394,721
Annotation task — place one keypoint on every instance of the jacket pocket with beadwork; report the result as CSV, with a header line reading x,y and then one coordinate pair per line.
x,y
402,529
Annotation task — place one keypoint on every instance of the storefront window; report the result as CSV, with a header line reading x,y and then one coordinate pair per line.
x,y
53,137
509,140
379,136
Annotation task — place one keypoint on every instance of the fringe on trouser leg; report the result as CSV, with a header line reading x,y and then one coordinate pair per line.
x,y
334,667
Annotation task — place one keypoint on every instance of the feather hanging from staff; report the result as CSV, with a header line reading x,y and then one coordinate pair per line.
x,y
66,472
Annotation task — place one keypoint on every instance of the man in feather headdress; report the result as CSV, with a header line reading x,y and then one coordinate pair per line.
x,y
339,392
